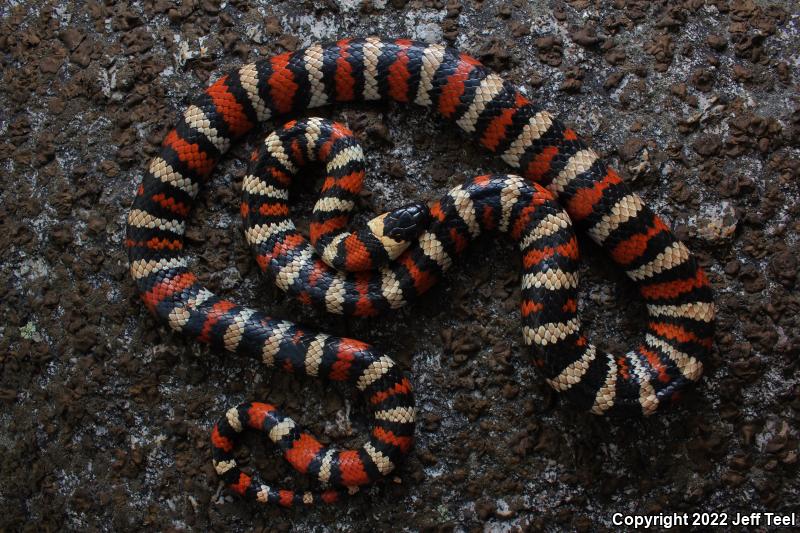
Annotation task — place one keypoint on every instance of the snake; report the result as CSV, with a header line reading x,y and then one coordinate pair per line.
x,y
559,186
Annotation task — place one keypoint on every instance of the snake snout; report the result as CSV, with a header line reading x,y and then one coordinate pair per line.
x,y
406,223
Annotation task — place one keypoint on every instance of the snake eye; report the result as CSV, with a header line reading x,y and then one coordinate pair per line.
x,y
406,223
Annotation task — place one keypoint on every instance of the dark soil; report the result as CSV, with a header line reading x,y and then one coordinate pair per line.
x,y
106,414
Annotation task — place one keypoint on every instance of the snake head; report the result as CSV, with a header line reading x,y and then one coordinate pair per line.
x,y
406,223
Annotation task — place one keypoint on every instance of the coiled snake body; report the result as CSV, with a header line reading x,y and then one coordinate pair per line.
x,y
402,254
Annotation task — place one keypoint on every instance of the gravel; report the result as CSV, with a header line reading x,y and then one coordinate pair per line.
x,y
106,414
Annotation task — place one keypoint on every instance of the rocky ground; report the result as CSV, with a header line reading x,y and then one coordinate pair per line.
x,y
106,414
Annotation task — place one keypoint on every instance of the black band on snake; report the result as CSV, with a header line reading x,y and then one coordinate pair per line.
x,y
562,184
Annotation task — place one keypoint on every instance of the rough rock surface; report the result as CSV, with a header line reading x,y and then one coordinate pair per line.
x,y
106,415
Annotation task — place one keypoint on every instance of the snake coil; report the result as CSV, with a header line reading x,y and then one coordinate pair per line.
x,y
562,184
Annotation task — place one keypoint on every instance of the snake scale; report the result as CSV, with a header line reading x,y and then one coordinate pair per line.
x,y
562,185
